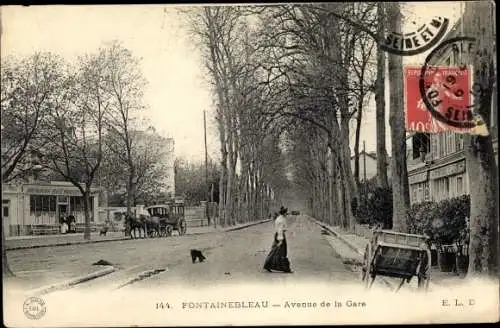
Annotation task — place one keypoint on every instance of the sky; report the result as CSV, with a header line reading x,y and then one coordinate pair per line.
x,y
177,92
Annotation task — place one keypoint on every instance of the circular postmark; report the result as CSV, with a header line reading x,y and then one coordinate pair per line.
x,y
34,308
418,41
447,91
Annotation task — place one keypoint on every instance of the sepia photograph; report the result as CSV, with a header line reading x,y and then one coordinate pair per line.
x,y
305,163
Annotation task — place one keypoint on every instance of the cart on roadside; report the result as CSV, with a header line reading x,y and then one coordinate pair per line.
x,y
397,255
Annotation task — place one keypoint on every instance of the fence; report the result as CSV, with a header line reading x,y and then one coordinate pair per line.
x,y
196,215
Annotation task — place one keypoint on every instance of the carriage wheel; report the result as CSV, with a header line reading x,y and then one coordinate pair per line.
x,y
424,273
168,230
366,268
182,228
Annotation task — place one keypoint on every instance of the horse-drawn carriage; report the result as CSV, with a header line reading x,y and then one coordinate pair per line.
x,y
171,216
397,255
158,220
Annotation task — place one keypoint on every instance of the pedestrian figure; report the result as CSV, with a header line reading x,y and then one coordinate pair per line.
x,y
277,259
64,223
72,223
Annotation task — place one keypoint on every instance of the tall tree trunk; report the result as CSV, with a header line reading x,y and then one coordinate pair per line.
x,y
223,177
131,189
230,171
382,180
334,194
86,208
351,190
400,187
341,191
481,166
359,117
251,198
6,271
330,192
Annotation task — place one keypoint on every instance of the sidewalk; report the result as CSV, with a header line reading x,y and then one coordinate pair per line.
x,y
52,277
357,245
22,242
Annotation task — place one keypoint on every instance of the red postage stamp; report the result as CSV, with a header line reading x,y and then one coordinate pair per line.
x,y
447,91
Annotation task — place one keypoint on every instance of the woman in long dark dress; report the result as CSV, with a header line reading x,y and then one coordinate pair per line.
x,y
277,259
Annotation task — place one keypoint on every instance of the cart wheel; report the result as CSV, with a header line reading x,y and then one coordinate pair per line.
x,y
182,228
169,230
366,268
424,272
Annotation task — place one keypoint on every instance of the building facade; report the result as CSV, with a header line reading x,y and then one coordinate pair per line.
x,y
26,206
437,167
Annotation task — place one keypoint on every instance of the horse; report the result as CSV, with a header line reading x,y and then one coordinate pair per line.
x,y
136,223
153,225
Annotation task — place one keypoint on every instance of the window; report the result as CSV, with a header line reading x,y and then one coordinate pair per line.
x,y
77,204
5,208
426,191
42,203
434,144
450,142
420,192
459,141
460,186
441,188
443,144
420,142
62,199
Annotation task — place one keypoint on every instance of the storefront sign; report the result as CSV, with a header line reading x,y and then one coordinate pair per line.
x,y
451,169
417,178
39,190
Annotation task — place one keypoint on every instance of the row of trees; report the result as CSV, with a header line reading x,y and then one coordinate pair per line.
x,y
297,69
252,165
80,123
308,71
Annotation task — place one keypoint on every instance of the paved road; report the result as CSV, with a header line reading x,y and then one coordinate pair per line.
x,y
232,257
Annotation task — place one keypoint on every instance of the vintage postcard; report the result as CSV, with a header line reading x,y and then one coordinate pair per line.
x,y
252,164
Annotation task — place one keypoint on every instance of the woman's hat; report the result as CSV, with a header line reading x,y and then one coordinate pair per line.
x,y
283,210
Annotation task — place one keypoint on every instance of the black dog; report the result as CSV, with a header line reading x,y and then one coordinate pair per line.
x,y
196,254
103,231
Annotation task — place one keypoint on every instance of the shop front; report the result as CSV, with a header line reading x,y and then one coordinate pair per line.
x,y
32,207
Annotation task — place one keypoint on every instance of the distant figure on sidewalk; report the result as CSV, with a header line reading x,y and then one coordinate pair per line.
x,y
277,259
63,223
71,223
